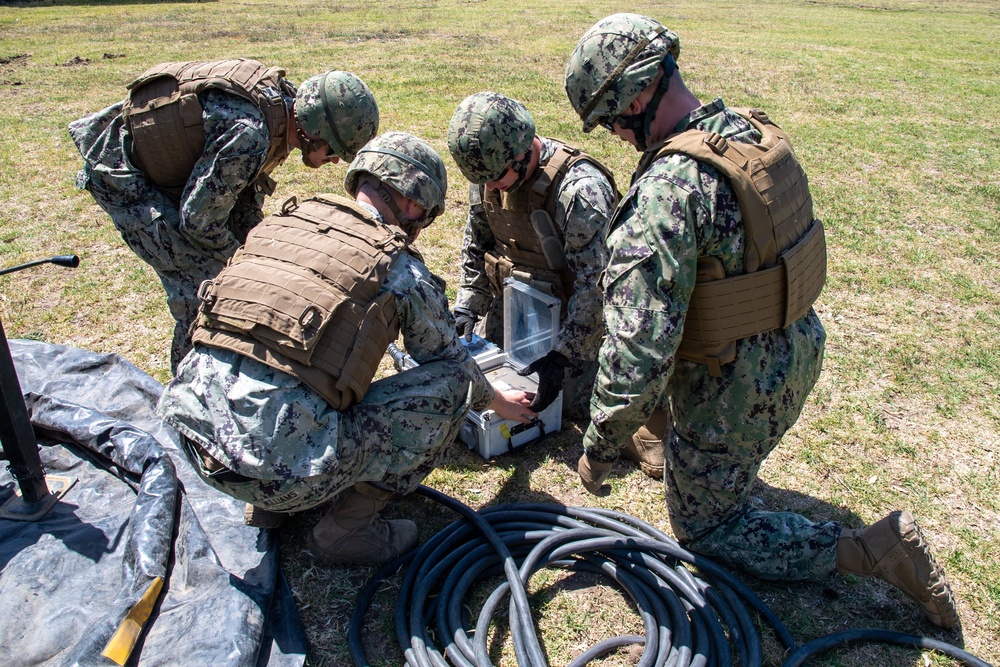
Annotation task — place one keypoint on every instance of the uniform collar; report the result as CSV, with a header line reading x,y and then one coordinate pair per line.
x,y
716,106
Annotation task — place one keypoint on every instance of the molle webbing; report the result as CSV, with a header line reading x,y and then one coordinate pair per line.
x,y
164,116
303,296
518,247
785,256
724,310
499,269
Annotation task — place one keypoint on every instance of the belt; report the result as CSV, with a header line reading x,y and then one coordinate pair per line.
x,y
213,468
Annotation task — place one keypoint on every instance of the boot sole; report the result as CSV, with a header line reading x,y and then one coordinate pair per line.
x,y
655,473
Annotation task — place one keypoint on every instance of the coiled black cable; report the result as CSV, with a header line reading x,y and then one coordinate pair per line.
x,y
688,621
872,635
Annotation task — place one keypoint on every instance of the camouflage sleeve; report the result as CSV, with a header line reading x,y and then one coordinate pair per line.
x,y
584,205
475,292
647,287
247,213
98,135
236,141
427,325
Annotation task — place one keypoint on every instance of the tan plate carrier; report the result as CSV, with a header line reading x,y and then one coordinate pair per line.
x,y
532,252
304,296
785,256
164,116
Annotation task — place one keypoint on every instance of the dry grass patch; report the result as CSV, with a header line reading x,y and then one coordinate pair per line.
x,y
892,106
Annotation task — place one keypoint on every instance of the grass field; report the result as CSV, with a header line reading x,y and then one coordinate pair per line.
x,y
893,106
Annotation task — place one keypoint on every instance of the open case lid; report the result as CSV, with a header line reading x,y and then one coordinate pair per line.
x,y
530,322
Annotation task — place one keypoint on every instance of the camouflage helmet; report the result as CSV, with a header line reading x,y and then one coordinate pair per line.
x,y
408,165
613,62
338,108
486,133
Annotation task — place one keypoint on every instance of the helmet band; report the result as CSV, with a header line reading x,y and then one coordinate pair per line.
x,y
630,58
341,147
409,160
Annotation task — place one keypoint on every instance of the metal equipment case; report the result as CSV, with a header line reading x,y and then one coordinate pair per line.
x,y
531,321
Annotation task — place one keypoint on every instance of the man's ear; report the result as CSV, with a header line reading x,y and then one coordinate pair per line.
x,y
635,106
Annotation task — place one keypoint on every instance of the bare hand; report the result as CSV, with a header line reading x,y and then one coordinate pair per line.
x,y
513,405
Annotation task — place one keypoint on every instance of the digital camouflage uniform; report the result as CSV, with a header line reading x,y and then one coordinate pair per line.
x,y
188,241
728,410
266,425
584,204
723,428
188,238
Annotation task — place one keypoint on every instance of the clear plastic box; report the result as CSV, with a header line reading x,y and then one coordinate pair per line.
x,y
531,322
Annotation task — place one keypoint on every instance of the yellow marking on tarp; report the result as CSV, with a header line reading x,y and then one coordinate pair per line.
x,y
119,648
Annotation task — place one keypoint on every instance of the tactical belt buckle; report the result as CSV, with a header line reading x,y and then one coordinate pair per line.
x,y
272,95
717,143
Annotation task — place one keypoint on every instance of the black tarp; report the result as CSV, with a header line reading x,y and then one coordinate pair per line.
x,y
136,513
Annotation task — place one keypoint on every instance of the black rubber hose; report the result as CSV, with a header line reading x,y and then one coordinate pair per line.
x,y
873,635
688,620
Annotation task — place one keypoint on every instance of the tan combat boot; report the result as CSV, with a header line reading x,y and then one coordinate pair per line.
x,y
258,517
646,445
352,533
894,550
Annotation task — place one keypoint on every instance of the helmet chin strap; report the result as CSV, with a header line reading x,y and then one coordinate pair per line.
x,y
307,145
641,123
520,167
410,227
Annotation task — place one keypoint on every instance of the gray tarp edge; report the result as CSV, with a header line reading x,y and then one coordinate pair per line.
x,y
137,512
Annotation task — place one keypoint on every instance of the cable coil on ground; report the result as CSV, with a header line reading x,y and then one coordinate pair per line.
x,y
687,620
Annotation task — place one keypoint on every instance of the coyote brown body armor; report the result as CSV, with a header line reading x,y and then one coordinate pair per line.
x,y
519,245
303,296
785,255
164,116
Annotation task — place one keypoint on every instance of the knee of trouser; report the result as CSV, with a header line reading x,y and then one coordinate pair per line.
x,y
691,521
439,387
456,386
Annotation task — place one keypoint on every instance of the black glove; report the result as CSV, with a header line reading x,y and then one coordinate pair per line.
x,y
551,369
465,322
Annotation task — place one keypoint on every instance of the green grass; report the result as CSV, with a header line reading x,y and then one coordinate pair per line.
x,y
893,107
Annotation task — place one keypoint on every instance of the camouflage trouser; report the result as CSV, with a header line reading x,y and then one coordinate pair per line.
x,y
578,382
707,488
397,435
149,225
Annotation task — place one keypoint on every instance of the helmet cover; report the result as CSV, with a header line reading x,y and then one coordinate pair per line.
x,y
614,61
405,163
487,131
339,108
